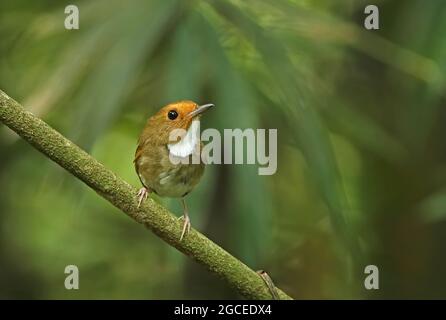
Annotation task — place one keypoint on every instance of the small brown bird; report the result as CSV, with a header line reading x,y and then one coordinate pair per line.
x,y
164,166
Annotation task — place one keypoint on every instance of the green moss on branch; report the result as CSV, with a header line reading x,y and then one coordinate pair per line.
x,y
123,196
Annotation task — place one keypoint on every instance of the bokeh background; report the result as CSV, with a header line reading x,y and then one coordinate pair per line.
x,y
360,115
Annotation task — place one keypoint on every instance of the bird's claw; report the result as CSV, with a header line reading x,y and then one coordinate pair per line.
x,y
186,226
143,193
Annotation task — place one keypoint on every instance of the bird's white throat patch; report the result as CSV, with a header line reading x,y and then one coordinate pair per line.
x,y
186,146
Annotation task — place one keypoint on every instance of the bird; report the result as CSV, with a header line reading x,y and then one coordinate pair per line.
x,y
164,165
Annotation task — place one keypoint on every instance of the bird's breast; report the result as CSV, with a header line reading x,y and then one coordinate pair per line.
x,y
167,179
189,143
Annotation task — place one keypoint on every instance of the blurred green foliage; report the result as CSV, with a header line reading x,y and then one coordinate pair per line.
x,y
360,115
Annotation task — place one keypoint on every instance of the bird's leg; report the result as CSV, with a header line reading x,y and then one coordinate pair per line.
x,y
142,195
186,224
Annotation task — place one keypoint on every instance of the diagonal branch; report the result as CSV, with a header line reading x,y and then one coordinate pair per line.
x,y
123,196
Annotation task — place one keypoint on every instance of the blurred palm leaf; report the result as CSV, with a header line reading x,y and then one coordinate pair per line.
x,y
291,98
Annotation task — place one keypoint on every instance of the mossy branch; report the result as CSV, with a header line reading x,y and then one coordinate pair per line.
x,y
123,196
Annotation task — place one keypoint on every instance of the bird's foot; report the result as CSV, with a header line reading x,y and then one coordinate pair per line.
x,y
186,225
143,193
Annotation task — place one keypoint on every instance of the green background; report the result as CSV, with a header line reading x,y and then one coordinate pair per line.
x,y
360,114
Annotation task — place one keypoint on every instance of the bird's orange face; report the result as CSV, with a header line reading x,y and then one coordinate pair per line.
x,y
177,115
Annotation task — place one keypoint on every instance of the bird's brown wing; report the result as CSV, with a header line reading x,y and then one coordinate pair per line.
x,y
138,153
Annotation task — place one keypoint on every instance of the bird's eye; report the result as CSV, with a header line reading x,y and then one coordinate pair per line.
x,y
172,114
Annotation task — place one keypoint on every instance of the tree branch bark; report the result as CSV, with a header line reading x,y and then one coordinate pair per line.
x,y
123,196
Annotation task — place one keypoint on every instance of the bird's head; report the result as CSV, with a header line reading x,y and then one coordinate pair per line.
x,y
177,115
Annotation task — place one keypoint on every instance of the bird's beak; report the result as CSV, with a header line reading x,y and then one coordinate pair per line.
x,y
200,110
